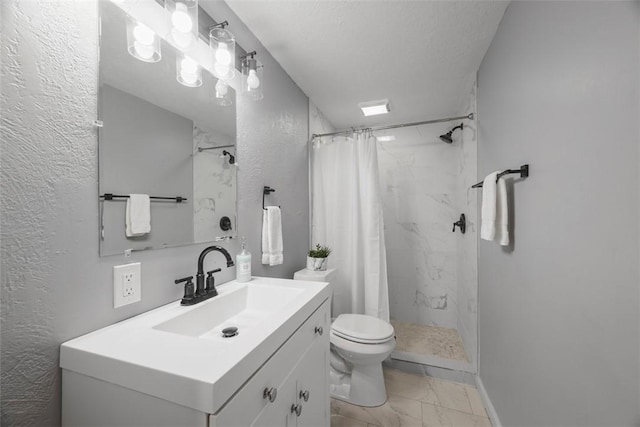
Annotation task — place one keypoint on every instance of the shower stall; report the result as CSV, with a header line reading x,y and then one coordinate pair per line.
x,y
425,173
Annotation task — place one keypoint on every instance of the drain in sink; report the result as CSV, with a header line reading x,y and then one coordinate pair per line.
x,y
229,332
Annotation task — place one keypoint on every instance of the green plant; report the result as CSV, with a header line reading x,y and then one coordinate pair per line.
x,y
320,251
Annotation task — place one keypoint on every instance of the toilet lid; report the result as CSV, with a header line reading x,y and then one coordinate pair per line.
x,y
361,328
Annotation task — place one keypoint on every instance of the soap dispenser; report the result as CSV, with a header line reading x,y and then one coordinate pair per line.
x,y
243,263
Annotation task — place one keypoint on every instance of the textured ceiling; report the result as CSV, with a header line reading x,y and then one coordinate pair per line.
x,y
422,55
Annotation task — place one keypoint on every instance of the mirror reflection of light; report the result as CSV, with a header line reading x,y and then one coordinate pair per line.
x,y
252,80
221,88
143,34
222,70
180,18
144,51
188,65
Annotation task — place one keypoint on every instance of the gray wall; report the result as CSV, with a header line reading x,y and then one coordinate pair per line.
x,y
54,285
558,310
144,149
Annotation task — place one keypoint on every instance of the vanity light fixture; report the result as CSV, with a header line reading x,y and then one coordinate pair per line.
x,y
183,16
222,94
142,42
223,45
373,108
188,71
252,76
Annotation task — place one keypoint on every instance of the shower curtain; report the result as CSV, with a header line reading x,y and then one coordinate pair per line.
x,y
347,217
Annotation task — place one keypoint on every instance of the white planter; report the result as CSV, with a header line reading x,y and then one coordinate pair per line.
x,y
316,264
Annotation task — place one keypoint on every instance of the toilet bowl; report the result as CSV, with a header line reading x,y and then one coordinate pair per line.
x,y
359,344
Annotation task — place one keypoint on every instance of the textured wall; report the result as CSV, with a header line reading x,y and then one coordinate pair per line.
x,y
54,285
558,310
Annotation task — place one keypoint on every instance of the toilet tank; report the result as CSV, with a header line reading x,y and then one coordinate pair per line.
x,y
315,276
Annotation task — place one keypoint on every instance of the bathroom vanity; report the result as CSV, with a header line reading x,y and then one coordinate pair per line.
x,y
172,366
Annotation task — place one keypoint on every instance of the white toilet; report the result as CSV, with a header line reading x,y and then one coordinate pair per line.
x,y
359,344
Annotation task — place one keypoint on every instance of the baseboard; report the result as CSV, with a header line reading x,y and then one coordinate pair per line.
x,y
491,411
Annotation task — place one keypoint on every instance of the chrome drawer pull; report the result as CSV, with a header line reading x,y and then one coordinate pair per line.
x,y
296,408
304,395
319,330
270,393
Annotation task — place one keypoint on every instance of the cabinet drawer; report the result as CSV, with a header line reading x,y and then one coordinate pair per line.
x,y
243,408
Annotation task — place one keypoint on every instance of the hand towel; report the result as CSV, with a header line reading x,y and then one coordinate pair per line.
x,y
272,249
488,212
138,215
502,214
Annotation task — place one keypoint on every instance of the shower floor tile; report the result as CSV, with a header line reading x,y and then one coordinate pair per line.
x,y
429,341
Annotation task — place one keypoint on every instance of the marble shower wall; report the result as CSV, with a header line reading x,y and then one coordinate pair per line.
x,y
467,244
418,177
425,186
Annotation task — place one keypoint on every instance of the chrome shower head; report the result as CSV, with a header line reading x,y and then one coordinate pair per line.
x,y
447,136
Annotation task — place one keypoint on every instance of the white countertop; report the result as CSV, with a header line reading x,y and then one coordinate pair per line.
x,y
198,373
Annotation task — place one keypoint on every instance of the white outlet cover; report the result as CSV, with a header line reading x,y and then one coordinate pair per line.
x,y
133,292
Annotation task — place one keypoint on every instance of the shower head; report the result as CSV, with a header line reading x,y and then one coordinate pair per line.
x,y
447,136
232,159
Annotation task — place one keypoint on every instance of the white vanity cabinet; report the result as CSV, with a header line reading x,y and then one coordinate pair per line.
x,y
276,393
135,373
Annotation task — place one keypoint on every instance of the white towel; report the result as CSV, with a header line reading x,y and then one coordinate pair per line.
x,y
495,210
502,214
488,212
138,215
272,250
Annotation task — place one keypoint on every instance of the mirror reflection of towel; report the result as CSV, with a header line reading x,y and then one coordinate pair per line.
x,y
272,249
138,215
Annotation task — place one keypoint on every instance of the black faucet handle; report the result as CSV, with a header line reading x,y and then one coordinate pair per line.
x,y
189,290
210,273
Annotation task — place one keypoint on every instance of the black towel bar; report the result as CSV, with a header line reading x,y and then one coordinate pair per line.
x,y
523,171
109,196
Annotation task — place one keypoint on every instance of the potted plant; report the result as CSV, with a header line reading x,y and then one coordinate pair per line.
x,y
317,258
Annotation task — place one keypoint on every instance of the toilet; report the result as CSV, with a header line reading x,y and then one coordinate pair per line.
x,y
359,344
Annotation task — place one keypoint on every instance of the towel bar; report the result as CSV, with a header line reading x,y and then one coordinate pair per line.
x,y
523,171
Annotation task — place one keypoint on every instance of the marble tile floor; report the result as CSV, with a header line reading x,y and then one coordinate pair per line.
x,y
416,400
429,340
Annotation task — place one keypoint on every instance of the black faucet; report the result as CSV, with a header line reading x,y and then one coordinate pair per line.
x,y
201,293
200,289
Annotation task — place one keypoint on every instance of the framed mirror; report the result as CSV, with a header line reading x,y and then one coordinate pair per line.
x,y
161,138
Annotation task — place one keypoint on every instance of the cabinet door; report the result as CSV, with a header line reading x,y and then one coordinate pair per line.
x,y
278,412
312,385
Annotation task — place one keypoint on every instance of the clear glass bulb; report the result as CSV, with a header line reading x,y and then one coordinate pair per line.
x,y
223,56
252,80
188,78
221,88
144,51
143,34
180,18
188,65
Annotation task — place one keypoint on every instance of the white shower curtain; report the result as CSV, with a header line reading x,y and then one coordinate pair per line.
x,y
347,217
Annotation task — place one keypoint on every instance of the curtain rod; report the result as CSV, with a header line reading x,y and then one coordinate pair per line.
x,y
402,125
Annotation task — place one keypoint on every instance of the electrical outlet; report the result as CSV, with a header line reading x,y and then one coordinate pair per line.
x,y
126,284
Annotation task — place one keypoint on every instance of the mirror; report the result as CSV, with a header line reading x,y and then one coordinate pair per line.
x,y
163,139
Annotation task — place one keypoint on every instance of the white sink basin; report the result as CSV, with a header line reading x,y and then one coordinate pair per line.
x,y
177,352
244,307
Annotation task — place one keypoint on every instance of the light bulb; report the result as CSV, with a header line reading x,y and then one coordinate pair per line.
x,y
221,70
180,18
221,88
183,40
144,51
223,56
188,78
188,65
143,34
252,80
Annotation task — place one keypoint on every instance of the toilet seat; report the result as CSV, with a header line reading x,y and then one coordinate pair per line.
x,y
362,329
